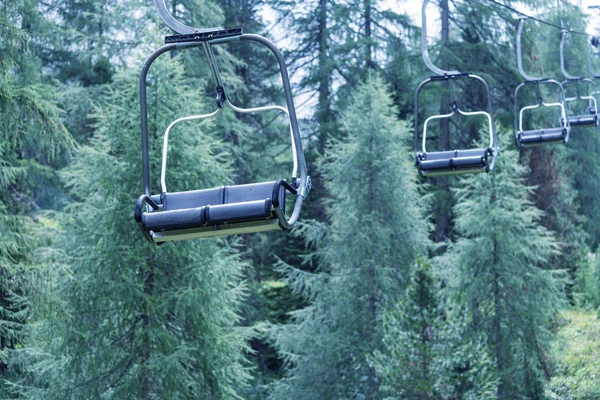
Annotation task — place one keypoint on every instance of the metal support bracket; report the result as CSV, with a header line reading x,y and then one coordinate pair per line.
x,y
204,36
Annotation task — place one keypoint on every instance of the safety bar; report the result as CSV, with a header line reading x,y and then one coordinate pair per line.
x,y
489,114
590,97
568,77
518,121
520,55
424,45
304,184
465,113
560,105
163,171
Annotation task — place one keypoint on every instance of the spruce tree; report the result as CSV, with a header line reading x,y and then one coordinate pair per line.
x,y
425,353
32,141
504,280
137,320
363,258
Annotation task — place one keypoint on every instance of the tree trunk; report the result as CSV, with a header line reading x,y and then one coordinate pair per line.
x,y
324,106
443,197
368,34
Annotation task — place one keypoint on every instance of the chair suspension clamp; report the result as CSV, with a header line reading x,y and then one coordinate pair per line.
x,y
200,36
305,190
221,96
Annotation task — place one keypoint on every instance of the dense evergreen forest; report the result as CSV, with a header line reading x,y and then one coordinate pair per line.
x,y
391,286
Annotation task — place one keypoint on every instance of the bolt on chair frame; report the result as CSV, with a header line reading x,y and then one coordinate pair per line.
x,y
453,162
229,217
538,137
591,117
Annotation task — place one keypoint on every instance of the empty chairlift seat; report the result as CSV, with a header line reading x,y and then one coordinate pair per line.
x,y
226,210
540,137
584,120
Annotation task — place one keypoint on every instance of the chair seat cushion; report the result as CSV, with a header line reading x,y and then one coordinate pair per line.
x,y
453,160
539,136
578,120
197,208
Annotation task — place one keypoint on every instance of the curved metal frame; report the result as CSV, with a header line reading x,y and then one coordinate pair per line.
x,y
175,25
493,146
530,80
446,76
518,121
570,79
303,182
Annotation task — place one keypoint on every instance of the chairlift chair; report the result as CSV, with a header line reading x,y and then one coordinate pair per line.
x,y
453,162
595,76
226,210
543,136
590,116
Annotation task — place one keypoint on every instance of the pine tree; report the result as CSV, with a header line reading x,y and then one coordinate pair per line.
x,y
504,279
363,258
135,320
425,354
32,141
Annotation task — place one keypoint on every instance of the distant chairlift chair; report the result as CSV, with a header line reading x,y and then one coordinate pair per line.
x,y
544,136
594,42
225,210
454,162
590,117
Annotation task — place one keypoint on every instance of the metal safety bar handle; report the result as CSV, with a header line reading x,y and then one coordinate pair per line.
x,y
212,62
424,45
560,105
489,114
269,108
563,34
163,170
520,54
518,121
172,23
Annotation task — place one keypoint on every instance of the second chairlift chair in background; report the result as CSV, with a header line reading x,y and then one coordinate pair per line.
x,y
225,210
594,42
590,116
538,137
453,162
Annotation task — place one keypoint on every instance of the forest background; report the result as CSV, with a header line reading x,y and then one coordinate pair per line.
x,y
392,287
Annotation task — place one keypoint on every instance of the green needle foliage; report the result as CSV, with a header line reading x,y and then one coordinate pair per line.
x,y
138,320
32,140
508,289
426,354
363,258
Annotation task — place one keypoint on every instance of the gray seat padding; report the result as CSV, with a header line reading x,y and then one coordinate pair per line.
x,y
578,120
539,136
453,160
183,210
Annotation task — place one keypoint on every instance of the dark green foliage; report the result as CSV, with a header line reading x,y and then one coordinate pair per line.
x,y
427,354
504,279
139,320
363,258
32,139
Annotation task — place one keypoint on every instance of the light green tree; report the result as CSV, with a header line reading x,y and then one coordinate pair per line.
x,y
128,319
363,258
500,270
